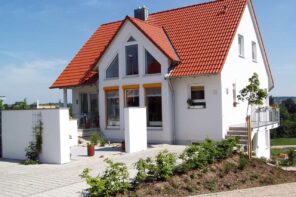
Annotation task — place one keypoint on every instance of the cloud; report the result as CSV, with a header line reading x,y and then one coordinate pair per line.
x,y
30,79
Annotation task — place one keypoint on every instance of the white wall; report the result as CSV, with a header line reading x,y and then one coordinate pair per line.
x,y
135,131
163,134
17,132
238,70
194,124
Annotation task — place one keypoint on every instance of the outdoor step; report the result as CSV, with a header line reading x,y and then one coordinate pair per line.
x,y
238,128
231,132
239,136
87,132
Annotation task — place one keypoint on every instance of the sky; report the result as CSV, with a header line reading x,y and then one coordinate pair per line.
x,y
39,38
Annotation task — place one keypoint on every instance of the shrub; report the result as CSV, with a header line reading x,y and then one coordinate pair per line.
x,y
146,170
225,148
229,167
243,162
291,157
165,165
113,181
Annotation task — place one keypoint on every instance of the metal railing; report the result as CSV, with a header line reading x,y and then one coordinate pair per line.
x,y
265,116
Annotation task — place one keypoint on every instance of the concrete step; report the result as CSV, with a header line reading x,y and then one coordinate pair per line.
x,y
237,133
238,128
87,132
239,136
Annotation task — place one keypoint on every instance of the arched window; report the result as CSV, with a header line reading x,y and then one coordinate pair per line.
x,y
152,66
113,69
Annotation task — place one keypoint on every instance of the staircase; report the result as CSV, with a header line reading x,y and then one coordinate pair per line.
x,y
241,133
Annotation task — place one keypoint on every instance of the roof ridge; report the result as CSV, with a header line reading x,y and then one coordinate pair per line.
x,y
187,6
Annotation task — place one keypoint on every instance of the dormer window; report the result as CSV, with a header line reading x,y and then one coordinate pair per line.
x,y
152,66
254,51
113,69
131,59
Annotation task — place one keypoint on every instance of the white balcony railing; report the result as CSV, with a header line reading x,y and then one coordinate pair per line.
x,y
265,116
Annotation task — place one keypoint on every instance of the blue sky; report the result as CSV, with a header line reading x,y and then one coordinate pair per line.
x,y
38,39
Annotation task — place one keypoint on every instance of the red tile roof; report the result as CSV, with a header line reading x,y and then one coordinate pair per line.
x,y
199,36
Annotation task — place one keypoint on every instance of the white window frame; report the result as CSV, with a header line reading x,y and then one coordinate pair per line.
x,y
128,44
197,100
254,51
241,45
109,64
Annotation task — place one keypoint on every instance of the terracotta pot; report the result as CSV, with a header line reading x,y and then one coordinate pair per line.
x,y
90,150
122,146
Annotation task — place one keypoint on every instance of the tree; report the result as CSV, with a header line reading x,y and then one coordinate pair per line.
x,y
1,105
252,93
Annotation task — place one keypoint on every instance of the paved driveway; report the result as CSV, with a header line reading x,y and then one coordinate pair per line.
x,y
63,180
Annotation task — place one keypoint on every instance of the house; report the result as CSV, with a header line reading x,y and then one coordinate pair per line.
x,y
185,65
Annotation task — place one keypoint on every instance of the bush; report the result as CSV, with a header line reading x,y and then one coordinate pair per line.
x,y
291,157
243,162
229,167
201,154
114,180
161,169
97,138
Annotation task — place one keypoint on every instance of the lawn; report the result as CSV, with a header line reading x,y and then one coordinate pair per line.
x,y
283,141
275,152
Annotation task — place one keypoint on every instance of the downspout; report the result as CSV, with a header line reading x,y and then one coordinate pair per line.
x,y
166,77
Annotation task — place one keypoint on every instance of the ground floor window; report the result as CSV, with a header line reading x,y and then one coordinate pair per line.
x,y
132,98
154,107
112,105
197,96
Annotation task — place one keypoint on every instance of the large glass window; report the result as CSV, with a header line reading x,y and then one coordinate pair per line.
x,y
132,98
154,107
83,103
131,59
198,96
113,69
151,64
112,102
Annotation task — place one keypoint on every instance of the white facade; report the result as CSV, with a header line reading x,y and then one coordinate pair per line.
x,y
59,133
181,123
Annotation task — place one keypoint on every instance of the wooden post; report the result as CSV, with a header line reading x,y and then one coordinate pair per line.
x,y
249,127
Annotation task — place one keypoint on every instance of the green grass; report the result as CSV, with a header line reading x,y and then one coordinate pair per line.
x,y
283,141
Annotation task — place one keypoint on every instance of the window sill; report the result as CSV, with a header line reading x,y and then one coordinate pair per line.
x,y
131,76
111,78
113,128
196,107
150,75
255,61
241,56
154,128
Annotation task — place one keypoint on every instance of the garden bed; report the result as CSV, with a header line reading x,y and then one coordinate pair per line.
x,y
220,176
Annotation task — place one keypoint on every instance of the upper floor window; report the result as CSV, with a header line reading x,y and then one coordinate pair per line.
x,y
254,51
113,69
131,59
197,96
241,50
152,66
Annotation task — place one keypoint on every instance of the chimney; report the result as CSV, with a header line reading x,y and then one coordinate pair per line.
x,y
141,13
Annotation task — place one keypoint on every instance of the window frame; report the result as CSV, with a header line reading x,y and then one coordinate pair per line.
x,y
241,46
203,103
130,87
114,56
125,59
145,63
153,86
254,51
106,90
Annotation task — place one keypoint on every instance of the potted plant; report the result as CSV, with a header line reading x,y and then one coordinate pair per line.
x,y
91,146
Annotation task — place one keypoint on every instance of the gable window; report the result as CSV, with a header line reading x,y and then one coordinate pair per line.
x,y
241,50
131,59
132,98
254,51
112,108
131,39
152,66
154,107
197,97
113,69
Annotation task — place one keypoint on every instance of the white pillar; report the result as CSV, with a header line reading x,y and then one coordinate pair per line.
x,y
65,97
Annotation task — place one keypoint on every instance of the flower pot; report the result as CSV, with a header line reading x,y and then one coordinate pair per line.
x,y
90,150
122,146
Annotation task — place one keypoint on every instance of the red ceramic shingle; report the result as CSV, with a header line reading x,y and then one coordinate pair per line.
x,y
199,36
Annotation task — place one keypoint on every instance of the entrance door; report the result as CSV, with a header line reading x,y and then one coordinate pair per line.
x,y
94,110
